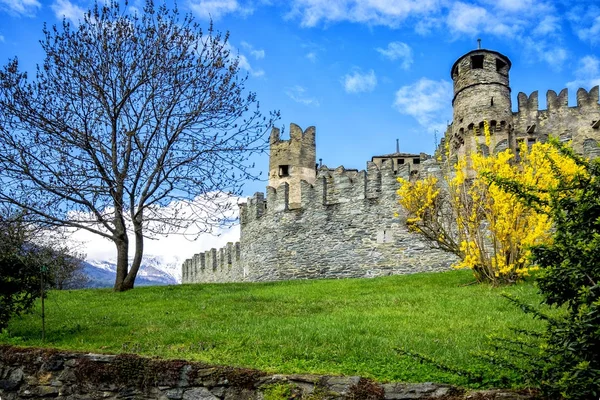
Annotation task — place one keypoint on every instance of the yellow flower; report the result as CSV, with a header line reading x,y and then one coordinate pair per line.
x,y
492,230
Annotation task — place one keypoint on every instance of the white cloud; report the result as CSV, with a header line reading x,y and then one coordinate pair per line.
x,y
1,38
72,12
245,65
587,74
20,7
257,54
429,102
467,18
590,33
534,25
178,245
426,25
172,249
215,9
373,12
313,50
515,6
312,56
357,82
549,25
398,51
300,95
243,62
547,51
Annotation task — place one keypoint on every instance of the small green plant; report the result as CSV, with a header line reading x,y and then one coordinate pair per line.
x,y
281,391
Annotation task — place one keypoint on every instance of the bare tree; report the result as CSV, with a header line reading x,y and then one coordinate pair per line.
x,y
130,112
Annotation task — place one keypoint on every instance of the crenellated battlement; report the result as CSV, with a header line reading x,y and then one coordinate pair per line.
x,y
297,135
214,265
585,100
528,103
292,160
344,226
588,99
577,123
332,186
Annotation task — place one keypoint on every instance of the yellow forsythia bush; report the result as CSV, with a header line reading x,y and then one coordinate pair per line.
x,y
467,213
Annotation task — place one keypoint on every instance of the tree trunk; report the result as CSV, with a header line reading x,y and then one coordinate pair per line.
x,y
137,258
122,263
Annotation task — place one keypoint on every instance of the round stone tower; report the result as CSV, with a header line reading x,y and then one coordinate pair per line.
x,y
481,93
292,161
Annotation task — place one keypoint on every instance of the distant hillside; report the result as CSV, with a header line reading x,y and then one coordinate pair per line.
x,y
154,271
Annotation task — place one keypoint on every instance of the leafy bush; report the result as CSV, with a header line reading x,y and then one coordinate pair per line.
x,y
26,257
19,276
567,362
488,228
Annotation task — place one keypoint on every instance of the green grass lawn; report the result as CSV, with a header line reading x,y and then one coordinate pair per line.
x,y
349,327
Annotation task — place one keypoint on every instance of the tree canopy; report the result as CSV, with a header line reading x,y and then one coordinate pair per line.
x,y
129,112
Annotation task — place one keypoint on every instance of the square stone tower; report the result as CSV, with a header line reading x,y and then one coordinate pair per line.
x,y
292,161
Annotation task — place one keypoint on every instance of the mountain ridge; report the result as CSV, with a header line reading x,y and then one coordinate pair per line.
x,y
154,270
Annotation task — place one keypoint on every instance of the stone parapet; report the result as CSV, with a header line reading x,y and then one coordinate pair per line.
x,y
344,227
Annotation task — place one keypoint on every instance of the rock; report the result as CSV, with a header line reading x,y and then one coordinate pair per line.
x,y
104,358
174,394
341,384
47,391
13,379
199,394
428,390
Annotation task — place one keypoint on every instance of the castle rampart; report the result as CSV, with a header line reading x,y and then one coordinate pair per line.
x,y
578,123
215,265
316,222
345,227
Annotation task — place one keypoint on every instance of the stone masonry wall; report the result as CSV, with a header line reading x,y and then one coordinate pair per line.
x,y
580,123
27,373
345,228
215,265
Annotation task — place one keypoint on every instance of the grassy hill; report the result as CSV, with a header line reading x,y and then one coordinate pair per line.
x,y
350,327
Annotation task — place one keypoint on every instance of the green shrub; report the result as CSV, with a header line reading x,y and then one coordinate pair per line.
x,y
567,361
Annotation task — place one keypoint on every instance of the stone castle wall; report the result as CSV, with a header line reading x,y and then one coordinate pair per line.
x,y
344,228
340,223
579,123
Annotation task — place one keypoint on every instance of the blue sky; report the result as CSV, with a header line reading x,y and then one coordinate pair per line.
x,y
367,72
364,72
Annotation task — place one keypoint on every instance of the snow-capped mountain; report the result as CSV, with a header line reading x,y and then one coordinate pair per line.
x,y
155,270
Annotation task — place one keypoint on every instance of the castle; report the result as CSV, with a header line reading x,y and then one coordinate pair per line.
x,y
317,222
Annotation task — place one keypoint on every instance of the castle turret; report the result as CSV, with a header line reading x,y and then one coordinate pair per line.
x,y
481,93
292,161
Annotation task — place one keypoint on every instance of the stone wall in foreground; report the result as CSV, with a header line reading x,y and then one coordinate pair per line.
x,y
27,373
346,226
